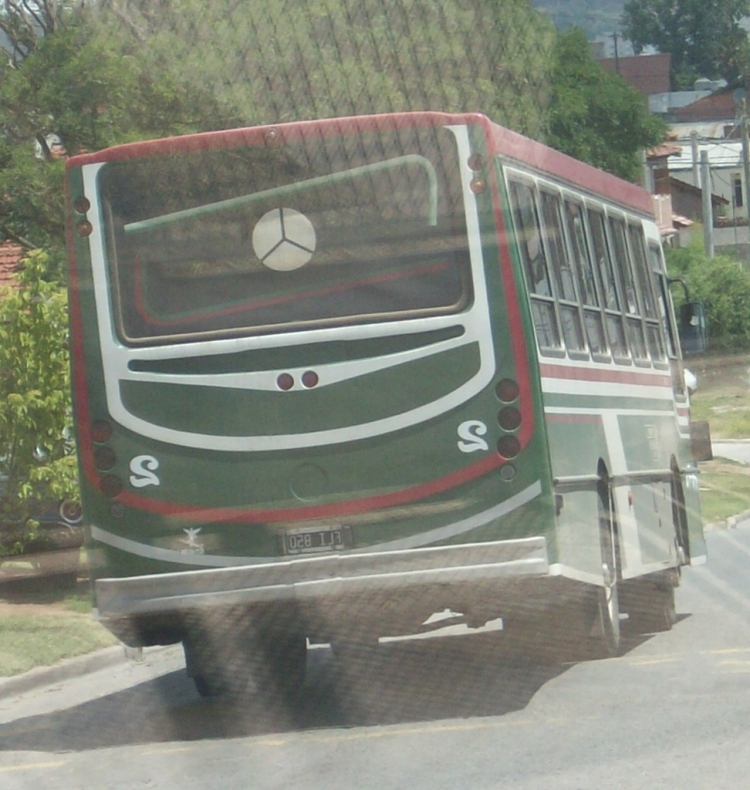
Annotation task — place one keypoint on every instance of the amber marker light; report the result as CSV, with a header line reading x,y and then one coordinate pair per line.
x,y
475,162
509,418
105,458
101,431
310,379
110,486
81,205
478,185
508,447
285,381
507,390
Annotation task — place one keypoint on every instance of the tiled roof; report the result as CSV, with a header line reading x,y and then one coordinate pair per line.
x,y
10,256
664,149
646,73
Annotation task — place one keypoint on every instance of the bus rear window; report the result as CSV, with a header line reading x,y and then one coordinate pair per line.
x,y
359,228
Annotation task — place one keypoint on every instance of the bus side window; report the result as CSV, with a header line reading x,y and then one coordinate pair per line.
x,y
529,238
622,262
592,314
607,282
666,316
570,317
643,277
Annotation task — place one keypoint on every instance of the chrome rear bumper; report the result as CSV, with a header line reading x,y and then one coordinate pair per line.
x,y
321,578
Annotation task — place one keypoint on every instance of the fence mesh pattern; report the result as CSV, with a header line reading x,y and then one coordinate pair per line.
x,y
284,60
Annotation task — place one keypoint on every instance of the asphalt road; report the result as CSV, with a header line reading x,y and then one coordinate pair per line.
x,y
451,712
737,450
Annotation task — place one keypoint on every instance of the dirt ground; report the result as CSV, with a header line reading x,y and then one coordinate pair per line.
x,y
40,596
725,371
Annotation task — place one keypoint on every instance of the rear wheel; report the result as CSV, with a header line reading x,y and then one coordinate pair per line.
x,y
605,601
651,607
679,517
265,666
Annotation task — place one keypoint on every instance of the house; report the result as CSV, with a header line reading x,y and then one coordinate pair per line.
x,y
648,74
10,259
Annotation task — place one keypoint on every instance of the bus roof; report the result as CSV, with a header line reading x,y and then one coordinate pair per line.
x,y
502,141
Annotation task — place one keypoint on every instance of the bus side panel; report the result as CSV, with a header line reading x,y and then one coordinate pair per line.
x,y
577,443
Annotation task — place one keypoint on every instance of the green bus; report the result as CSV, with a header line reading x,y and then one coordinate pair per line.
x,y
332,377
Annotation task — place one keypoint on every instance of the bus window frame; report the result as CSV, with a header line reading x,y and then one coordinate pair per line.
x,y
633,315
573,306
644,278
610,313
658,267
515,180
596,309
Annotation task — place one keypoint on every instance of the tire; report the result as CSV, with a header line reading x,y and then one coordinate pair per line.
x,y
651,608
605,601
679,518
267,667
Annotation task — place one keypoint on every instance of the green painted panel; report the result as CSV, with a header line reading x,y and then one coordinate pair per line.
x,y
218,411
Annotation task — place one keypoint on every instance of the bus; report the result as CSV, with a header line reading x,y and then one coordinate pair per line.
x,y
333,377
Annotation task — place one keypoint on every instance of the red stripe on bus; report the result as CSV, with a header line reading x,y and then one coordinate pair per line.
x,y
506,142
604,375
332,510
284,132
583,418
531,154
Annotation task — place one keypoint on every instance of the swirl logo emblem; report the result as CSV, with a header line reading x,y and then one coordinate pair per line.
x,y
284,239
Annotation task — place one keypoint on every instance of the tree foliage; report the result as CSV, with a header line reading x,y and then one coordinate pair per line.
x,y
36,463
23,23
78,87
723,285
284,60
702,36
594,114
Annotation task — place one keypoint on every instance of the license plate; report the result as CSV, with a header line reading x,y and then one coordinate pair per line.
x,y
315,541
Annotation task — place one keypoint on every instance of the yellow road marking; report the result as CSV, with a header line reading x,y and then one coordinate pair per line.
x,y
392,731
648,661
32,766
729,650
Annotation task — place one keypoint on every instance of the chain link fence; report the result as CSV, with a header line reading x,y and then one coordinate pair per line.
x,y
284,60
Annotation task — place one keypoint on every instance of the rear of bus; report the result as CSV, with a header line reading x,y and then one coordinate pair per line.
x,y
302,385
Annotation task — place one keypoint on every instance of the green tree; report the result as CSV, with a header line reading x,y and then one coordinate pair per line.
x,y
78,86
595,115
36,460
284,60
702,36
723,285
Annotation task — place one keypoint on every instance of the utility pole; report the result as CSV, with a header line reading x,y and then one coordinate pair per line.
x,y
708,217
617,54
694,149
745,165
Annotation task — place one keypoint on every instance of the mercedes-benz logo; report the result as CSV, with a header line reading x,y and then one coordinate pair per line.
x,y
284,239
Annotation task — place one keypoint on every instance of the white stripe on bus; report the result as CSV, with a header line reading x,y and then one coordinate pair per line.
x,y
414,541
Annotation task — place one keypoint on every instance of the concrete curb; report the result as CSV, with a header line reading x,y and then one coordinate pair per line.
x,y
731,523
120,654
71,668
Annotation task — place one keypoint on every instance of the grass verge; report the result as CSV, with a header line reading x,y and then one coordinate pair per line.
x,y
33,640
725,489
41,624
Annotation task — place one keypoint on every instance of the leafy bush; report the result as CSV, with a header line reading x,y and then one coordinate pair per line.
x,y
36,453
723,285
